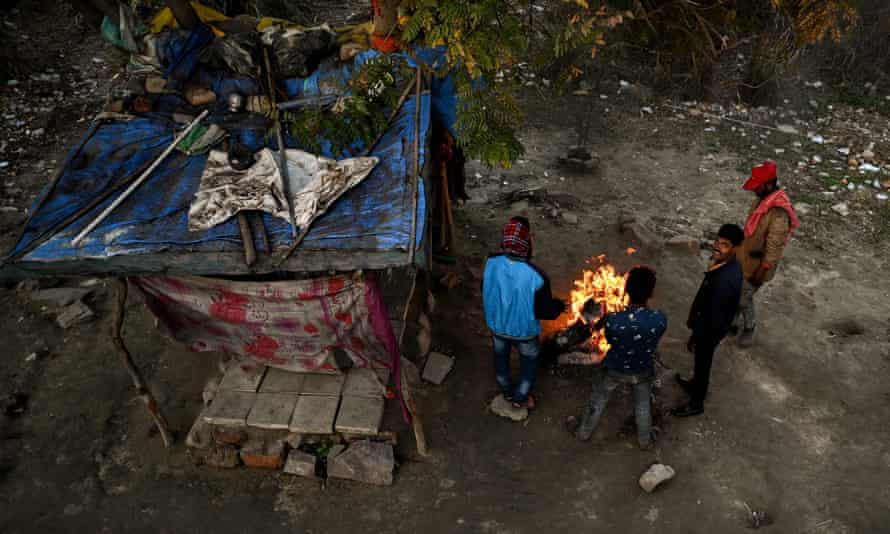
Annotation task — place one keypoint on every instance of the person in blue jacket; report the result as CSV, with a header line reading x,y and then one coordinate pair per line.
x,y
516,296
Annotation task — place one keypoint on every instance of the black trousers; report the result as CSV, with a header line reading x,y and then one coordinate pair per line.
x,y
701,377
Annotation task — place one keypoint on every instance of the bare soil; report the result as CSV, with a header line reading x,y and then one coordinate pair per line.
x,y
795,426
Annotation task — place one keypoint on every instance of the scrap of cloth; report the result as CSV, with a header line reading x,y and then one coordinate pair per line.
x,y
315,183
317,325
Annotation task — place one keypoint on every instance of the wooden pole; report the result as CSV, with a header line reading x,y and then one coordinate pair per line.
x,y
407,395
246,239
138,382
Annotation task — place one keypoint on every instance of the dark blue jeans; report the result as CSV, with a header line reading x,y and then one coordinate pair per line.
x,y
528,366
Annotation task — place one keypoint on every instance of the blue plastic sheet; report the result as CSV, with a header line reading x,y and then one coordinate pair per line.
x,y
374,216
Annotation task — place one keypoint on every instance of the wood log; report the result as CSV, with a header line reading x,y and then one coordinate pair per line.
x,y
138,382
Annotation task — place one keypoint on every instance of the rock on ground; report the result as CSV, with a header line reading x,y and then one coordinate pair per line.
x,y
504,408
74,314
437,367
364,461
655,475
300,463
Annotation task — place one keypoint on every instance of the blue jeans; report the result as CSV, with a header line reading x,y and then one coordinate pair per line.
x,y
528,366
604,383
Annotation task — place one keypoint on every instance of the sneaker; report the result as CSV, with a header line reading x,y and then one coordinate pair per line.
x,y
747,338
688,411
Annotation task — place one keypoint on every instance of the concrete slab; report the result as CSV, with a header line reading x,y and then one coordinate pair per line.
x,y
230,408
237,378
315,414
272,410
360,415
362,382
437,367
318,384
281,381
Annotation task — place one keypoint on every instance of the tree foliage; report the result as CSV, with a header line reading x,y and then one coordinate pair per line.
x,y
480,38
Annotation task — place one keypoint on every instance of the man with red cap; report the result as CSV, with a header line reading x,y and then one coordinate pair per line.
x,y
769,225
516,295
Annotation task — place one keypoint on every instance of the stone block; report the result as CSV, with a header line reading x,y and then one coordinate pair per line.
x,y
314,414
320,384
504,408
281,381
655,475
364,461
360,415
300,463
272,410
201,434
362,382
262,453
73,314
230,408
437,367
242,378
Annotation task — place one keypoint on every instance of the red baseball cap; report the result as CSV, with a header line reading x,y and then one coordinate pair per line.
x,y
761,174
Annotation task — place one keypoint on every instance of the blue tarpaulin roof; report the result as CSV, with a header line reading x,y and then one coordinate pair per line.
x,y
375,216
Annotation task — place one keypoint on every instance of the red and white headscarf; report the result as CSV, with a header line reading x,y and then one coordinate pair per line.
x,y
516,238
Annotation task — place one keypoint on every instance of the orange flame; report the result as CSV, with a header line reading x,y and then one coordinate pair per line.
x,y
605,287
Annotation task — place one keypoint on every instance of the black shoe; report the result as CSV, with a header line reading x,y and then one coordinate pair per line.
x,y
685,384
688,411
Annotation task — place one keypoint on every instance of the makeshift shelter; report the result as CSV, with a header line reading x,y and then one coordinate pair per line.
x,y
323,322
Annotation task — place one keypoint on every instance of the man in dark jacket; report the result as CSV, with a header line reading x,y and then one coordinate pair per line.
x,y
516,295
712,314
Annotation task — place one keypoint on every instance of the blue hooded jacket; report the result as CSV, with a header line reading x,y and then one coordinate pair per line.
x,y
516,295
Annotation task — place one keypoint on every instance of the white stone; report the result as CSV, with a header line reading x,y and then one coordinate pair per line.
x,y
300,463
841,208
656,475
504,408
437,367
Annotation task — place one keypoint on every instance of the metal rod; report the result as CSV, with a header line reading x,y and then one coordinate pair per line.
x,y
123,196
416,177
282,154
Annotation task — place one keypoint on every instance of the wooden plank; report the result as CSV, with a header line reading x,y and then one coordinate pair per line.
x,y
230,408
281,381
218,263
324,385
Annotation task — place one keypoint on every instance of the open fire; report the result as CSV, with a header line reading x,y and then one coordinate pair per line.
x,y
598,292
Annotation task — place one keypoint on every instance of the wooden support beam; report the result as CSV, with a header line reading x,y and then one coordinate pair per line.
x,y
138,382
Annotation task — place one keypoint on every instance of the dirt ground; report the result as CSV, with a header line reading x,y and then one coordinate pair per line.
x,y
795,426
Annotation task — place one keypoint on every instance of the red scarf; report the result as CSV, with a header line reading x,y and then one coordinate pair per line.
x,y
779,199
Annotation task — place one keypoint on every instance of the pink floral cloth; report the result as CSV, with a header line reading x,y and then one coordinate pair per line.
x,y
293,325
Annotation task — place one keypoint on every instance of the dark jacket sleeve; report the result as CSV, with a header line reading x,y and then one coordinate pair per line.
x,y
547,307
